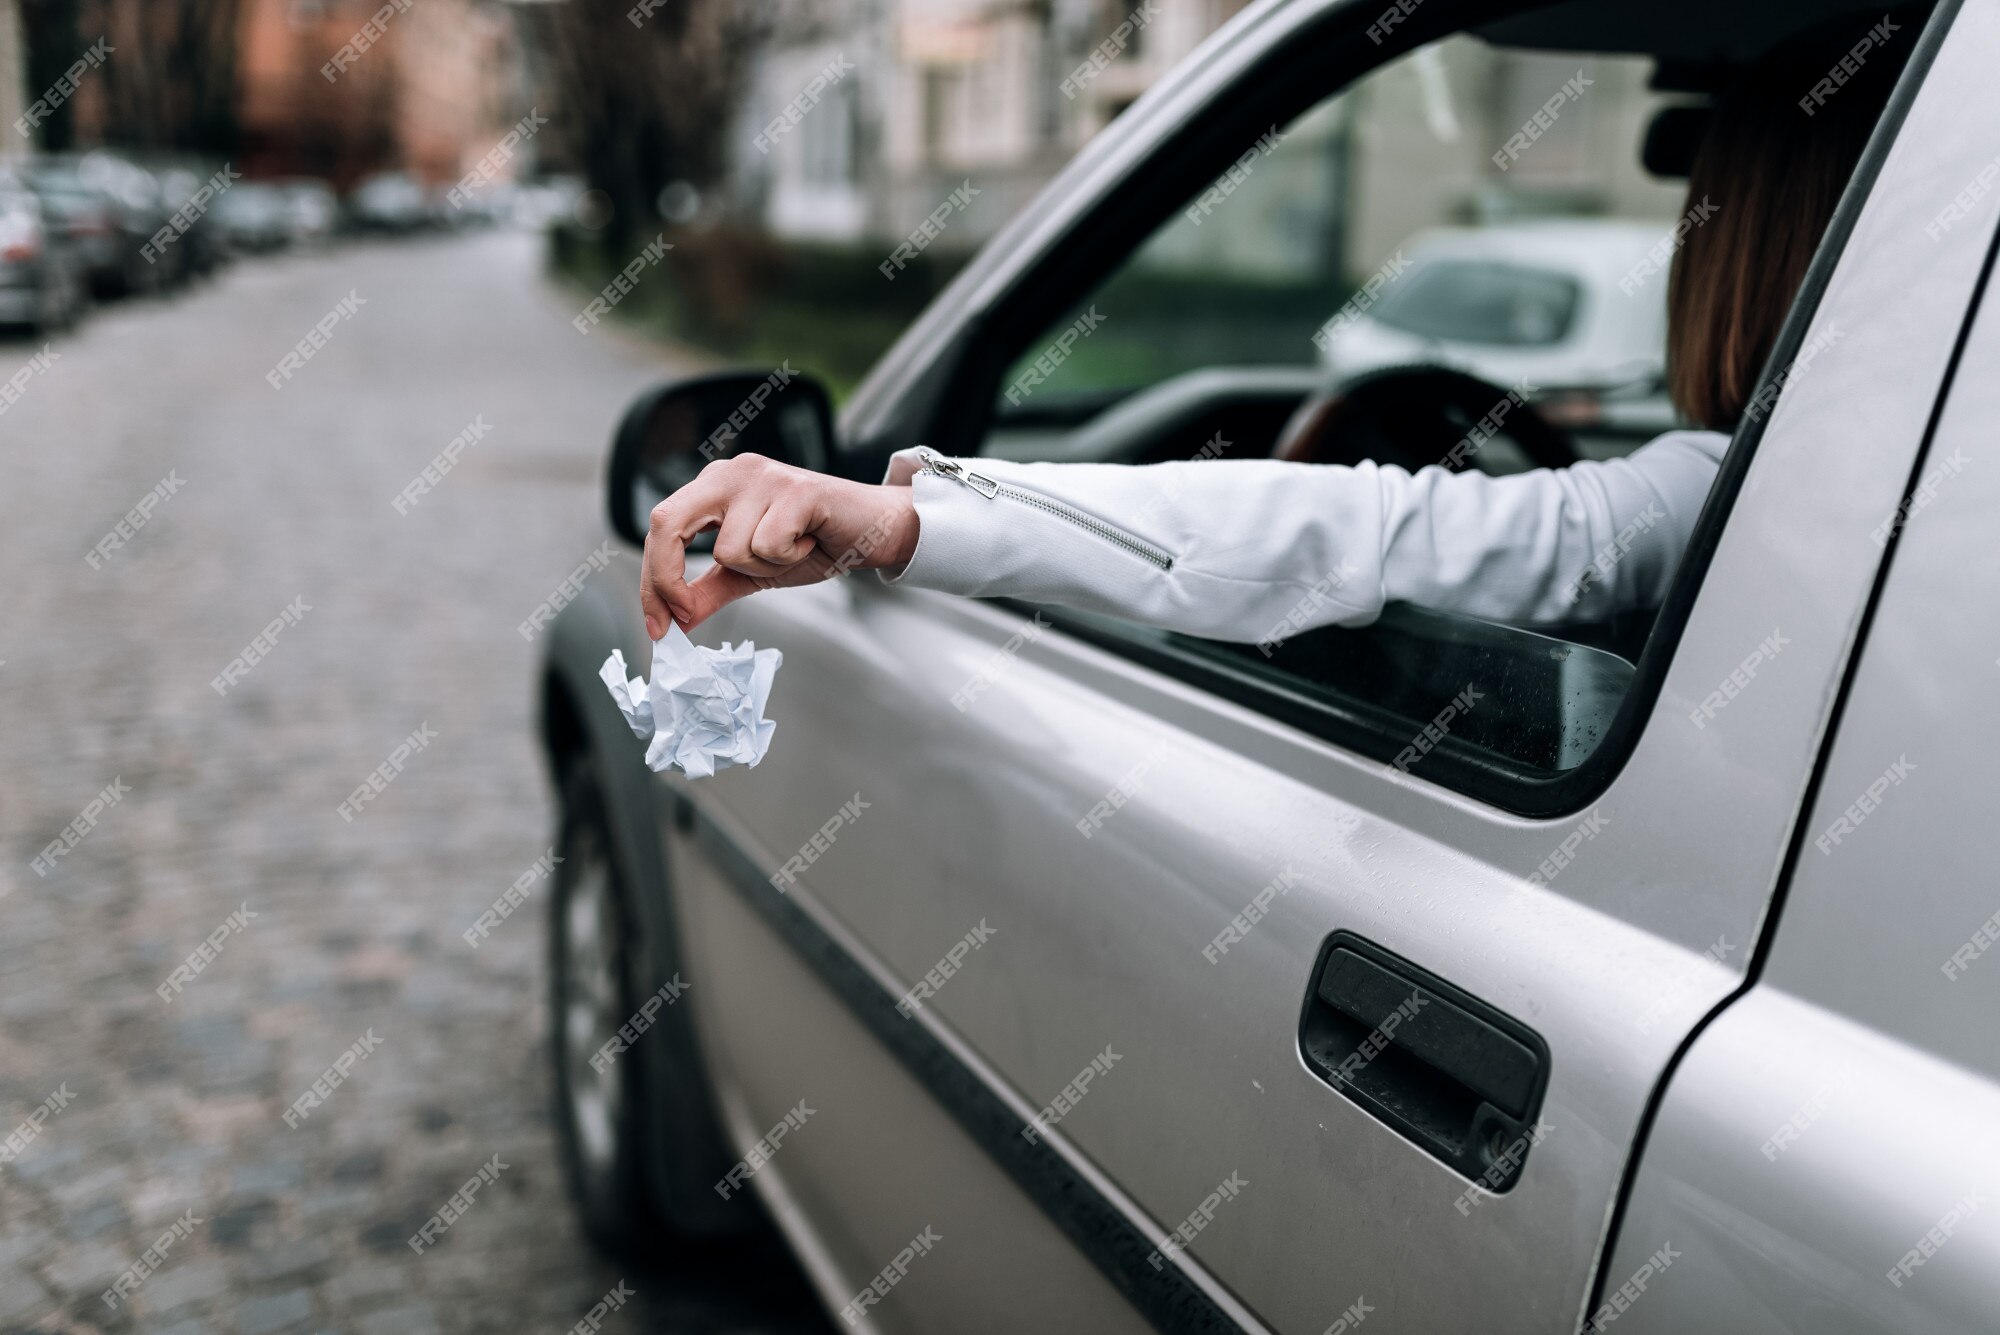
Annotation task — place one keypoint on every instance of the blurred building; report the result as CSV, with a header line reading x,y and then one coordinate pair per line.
x,y
13,76
942,91
429,91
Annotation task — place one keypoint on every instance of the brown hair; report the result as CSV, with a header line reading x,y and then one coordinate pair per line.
x,y
1772,165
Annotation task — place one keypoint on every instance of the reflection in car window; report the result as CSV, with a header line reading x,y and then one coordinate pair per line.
x,y
1471,301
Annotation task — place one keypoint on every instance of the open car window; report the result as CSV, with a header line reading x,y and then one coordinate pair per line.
x,y
1436,213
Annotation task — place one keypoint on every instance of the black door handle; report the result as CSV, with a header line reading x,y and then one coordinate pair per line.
x,y
1438,1066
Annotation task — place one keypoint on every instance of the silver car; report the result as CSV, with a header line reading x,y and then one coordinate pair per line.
x,y
1055,974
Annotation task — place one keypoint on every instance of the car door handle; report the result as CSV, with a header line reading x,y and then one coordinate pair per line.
x,y
1438,1066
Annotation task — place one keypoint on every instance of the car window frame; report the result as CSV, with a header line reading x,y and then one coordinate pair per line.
x,y
1321,59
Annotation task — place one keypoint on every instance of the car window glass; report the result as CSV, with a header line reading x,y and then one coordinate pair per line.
x,y
1423,217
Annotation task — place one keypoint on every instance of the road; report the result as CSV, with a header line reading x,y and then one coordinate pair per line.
x,y
163,1096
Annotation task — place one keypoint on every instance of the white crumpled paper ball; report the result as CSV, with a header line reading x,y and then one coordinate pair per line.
x,y
703,709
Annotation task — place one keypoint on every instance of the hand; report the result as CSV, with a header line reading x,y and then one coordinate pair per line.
x,y
778,526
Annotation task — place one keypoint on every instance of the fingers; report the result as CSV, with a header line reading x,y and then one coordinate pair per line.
x,y
716,589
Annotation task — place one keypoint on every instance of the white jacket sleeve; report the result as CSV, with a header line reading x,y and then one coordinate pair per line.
x,y
1253,550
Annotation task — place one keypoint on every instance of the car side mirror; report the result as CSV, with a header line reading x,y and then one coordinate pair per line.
x,y
671,433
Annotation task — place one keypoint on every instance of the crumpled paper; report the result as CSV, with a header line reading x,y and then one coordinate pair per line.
x,y
703,709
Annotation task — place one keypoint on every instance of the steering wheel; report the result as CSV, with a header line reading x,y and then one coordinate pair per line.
x,y
1415,416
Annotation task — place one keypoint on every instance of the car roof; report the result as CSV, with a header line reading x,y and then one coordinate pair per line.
x,y
1598,250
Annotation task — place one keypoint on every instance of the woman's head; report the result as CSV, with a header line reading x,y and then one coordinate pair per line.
x,y
1773,164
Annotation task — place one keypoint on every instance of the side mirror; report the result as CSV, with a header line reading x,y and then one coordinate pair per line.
x,y
671,433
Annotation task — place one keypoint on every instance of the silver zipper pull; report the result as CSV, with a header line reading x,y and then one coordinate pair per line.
x,y
957,472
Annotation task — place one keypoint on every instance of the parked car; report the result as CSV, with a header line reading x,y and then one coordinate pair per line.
x,y
199,239
1569,306
126,210
1055,973
389,202
314,210
255,217
43,270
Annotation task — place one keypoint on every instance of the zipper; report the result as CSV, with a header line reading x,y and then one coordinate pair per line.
x,y
938,465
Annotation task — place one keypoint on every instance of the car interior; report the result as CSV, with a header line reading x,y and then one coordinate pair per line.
x,y
1204,342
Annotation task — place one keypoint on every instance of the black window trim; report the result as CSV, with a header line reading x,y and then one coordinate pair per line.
x,y
1312,65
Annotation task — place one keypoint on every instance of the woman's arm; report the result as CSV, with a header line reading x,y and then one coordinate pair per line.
x,y
1249,550
1255,550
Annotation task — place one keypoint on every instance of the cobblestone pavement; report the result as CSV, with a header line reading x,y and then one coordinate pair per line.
x,y
268,500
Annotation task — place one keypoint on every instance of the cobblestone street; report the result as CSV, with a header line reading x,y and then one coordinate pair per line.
x,y
275,506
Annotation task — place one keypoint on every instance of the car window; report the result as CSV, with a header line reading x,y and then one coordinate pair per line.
x,y
1391,226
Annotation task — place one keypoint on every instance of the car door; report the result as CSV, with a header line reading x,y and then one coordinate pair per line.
x,y
1012,871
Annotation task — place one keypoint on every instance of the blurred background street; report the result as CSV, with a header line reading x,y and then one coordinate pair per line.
x,y
410,619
